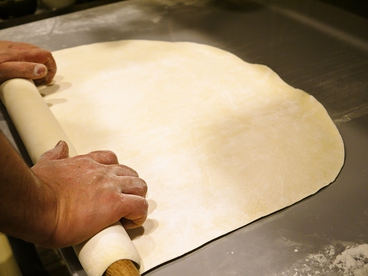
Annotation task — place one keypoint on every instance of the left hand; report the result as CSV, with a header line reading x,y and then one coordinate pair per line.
x,y
22,60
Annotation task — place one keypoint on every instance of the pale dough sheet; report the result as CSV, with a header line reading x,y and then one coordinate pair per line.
x,y
219,141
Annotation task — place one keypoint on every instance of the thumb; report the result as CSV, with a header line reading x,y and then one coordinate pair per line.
x,y
60,151
21,69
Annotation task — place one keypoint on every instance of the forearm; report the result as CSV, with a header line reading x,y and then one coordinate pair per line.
x,y
21,195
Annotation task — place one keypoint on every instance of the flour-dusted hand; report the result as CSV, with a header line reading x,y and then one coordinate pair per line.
x,y
63,201
22,60
90,192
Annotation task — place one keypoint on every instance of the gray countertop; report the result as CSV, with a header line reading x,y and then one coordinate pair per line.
x,y
312,46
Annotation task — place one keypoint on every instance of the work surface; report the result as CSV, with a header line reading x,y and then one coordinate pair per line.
x,y
312,46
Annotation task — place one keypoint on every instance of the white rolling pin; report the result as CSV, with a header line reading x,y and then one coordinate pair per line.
x,y
110,252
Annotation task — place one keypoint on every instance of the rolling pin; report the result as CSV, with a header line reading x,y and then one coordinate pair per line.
x,y
110,252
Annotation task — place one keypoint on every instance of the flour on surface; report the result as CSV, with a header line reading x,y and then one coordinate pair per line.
x,y
331,260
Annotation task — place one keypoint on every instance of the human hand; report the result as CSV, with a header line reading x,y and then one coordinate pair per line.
x,y
21,60
85,194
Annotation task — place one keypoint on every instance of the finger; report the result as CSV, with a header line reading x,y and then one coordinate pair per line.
x,y
19,45
60,151
132,185
135,211
51,71
122,170
44,57
131,224
104,157
19,69
109,158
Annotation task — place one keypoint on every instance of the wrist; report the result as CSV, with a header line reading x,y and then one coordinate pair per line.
x,y
42,216
27,207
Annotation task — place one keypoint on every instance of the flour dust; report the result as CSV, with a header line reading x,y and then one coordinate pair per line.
x,y
332,261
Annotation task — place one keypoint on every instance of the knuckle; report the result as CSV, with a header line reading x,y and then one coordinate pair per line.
x,y
109,156
140,186
145,206
144,187
141,208
129,170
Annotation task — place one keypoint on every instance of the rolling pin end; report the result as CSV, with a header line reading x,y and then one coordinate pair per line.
x,y
122,268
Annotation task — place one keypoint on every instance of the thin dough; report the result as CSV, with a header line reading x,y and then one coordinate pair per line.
x,y
219,141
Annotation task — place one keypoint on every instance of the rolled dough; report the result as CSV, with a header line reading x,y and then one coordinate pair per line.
x,y
219,141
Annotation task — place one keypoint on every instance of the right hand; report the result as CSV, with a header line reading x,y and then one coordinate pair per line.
x,y
85,194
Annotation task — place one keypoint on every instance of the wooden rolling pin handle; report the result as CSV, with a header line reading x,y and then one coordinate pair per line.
x,y
122,268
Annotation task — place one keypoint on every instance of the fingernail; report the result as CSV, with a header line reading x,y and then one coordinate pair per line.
x,y
58,143
40,70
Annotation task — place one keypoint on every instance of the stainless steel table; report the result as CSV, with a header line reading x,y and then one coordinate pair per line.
x,y
311,45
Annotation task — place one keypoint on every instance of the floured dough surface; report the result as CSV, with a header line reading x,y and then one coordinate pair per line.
x,y
219,141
